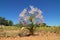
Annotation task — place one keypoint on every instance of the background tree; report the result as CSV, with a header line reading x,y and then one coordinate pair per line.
x,y
2,21
43,25
31,17
5,22
10,23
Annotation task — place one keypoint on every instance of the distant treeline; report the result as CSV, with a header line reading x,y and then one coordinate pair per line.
x,y
5,22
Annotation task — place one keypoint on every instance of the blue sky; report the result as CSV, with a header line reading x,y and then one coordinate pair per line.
x,y
10,9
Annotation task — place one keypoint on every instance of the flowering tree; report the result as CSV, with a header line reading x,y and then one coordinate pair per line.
x,y
32,16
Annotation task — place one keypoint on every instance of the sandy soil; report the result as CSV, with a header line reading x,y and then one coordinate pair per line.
x,y
41,36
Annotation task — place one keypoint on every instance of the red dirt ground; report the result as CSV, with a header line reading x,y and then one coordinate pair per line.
x,y
41,36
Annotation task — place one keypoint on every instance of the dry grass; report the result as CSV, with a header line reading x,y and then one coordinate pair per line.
x,y
44,33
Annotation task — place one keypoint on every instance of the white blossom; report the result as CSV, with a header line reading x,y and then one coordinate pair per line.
x,y
32,11
23,12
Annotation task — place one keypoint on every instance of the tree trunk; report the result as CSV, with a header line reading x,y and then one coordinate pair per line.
x,y
31,29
